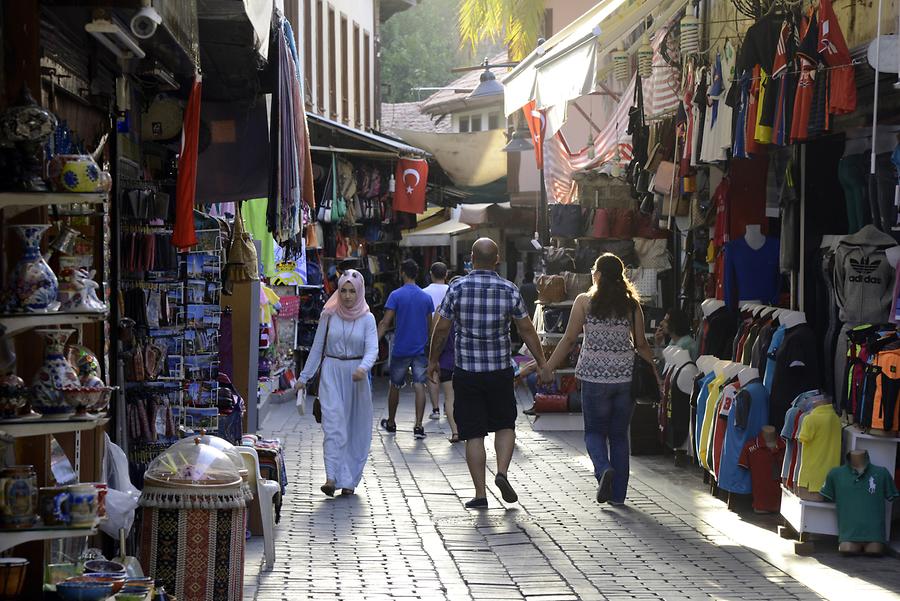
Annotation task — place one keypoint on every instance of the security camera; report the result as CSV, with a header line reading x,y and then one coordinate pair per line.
x,y
145,22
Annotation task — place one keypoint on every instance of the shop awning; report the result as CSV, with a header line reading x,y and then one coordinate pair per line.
x,y
487,212
436,235
564,67
331,136
469,159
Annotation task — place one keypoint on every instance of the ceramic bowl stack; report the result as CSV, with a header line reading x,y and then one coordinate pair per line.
x,y
73,590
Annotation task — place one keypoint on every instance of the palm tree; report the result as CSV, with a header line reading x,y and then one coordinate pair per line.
x,y
517,22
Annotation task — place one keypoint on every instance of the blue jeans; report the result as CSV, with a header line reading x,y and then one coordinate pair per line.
x,y
607,409
399,368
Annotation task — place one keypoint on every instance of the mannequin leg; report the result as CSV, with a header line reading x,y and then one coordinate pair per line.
x,y
874,549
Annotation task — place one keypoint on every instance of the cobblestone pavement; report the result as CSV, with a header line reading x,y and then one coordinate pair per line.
x,y
406,534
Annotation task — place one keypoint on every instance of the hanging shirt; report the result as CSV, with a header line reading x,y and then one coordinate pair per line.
x,y
795,370
860,499
777,337
833,49
712,405
763,465
701,400
820,435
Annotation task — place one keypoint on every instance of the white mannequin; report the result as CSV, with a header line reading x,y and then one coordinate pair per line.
x,y
679,357
680,360
667,354
720,366
705,363
710,305
754,236
789,319
747,374
893,255
732,369
770,311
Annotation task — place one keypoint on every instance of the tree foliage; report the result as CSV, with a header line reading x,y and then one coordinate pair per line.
x,y
515,23
420,46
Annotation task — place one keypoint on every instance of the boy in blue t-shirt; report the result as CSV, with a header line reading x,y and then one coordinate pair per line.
x,y
411,308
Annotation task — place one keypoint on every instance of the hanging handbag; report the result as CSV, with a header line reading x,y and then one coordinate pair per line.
x,y
317,404
243,264
551,288
644,382
566,221
576,283
551,403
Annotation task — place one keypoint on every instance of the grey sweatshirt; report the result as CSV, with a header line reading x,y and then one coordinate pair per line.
x,y
863,277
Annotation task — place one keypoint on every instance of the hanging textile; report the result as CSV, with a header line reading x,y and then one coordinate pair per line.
x,y
254,213
185,235
661,95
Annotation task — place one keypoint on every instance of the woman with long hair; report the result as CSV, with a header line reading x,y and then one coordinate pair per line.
x,y
346,345
610,317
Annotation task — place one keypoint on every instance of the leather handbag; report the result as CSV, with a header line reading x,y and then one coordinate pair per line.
x,y
243,264
556,320
621,223
317,404
665,175
558,260
551,403
576,283
600,227
677,206
566,221
551,288
652,252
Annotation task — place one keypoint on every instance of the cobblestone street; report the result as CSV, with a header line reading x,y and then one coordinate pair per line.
x,y
406,535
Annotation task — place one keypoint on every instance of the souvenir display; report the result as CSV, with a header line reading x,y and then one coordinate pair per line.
x,y
12,577
75,173
27,126
53,505
55,375
19,498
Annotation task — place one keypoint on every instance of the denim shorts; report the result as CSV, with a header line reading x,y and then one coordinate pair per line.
x,y
400,366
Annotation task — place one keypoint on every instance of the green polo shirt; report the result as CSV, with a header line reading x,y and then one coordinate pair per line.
x,y
860,501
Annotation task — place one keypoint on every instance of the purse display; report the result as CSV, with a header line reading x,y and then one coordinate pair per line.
x,y
551,288
577,283
566,221
243,264
551,403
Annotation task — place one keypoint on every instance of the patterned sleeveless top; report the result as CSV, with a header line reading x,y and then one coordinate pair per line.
x,y
607,353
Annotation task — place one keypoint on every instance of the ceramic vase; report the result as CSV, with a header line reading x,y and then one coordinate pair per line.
x,y
18,496
55,374
34,283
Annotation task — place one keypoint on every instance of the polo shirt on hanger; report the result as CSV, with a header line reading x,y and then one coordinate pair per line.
x,y
749,414
860,501
720,425
796,370
763,465
820,435
777,337
698,401
704,417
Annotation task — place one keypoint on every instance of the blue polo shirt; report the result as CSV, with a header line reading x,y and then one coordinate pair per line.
x,y
749,414
412,306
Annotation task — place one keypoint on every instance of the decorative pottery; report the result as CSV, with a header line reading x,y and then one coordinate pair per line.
x,y
13,395
18,496
26,121
84,591
12,576
78,292
54,375
75,173
103,566
83,505
116,580
53,503
65,240
84,361
34,283
24,126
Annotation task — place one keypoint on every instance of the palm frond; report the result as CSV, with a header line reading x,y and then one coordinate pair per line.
x,y
480,20
525,20
517,22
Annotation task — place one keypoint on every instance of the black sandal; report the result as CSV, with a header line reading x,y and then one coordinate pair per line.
x,y
346,492
388,425
328,489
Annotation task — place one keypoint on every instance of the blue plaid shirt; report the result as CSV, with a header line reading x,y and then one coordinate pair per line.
x,y
481,305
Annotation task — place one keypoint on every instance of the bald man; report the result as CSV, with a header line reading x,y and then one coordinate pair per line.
x,y
482,306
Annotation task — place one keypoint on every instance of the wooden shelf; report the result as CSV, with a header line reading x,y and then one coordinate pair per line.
x,y
11,538
44,426
41,199
19,322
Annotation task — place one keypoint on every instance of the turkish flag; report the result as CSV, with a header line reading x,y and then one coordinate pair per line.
x,y
536,125
412,179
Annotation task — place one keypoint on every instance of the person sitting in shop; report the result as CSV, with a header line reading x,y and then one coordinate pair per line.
x,y
675,329
412,308
345,346
611,319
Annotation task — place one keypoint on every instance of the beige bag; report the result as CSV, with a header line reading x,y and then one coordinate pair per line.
x,y
551,288
243,263
576,283
652,253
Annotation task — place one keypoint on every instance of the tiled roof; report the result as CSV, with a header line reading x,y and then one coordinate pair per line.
x,y
409,116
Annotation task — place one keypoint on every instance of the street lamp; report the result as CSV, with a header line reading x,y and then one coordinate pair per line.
x,y
520,141
487,86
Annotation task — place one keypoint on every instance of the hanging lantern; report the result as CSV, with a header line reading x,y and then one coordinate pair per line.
x,y
690,35
392,184
621,65
645,57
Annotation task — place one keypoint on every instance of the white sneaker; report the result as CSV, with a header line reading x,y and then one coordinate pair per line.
x,y
435,414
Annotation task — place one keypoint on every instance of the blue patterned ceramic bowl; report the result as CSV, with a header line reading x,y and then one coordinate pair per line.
x,y
84,591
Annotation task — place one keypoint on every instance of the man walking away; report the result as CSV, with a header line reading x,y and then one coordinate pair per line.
x,y
412,309
481,306
529,292
437,290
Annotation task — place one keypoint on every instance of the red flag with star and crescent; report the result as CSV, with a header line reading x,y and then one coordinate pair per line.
x,y
412,179
537,126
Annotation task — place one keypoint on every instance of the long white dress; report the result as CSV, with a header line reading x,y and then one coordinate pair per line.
x,y
346,405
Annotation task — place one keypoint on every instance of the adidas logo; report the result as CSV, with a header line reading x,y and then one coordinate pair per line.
x,y
864,267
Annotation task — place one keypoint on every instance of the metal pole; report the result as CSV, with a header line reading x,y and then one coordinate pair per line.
x,y
543,226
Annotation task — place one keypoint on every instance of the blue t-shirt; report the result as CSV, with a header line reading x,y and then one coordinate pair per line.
x,y
777,339
749,414
752,273
412,306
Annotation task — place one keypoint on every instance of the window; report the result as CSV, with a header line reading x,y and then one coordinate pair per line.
x,y
494,121
367,81
357,73
320,58
476,122
345,70
332,64
463,125
307,51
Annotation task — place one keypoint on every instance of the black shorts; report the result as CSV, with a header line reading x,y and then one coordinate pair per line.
x,y
446,375
483,402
